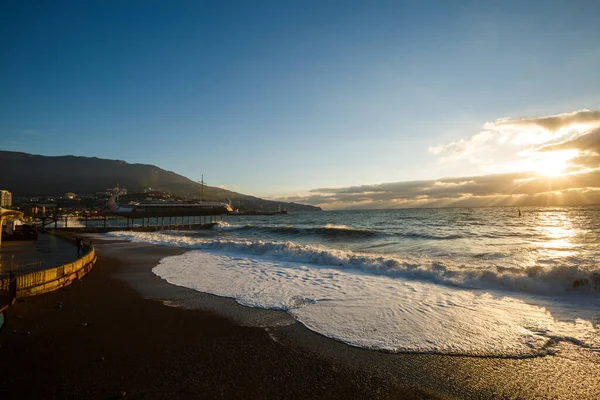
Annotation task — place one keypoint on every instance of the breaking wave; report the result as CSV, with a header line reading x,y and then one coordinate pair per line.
x,y
547,280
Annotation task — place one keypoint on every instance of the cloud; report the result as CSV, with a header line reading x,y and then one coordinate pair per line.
x,y
502,189
587,141
587,147
555,122
566,144
509,145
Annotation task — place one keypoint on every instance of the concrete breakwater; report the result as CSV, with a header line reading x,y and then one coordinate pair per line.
x,y
47,280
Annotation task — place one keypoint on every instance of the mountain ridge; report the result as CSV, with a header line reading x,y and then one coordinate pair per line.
x,y
27,175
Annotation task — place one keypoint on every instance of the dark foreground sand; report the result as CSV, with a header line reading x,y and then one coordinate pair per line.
x,y
106,334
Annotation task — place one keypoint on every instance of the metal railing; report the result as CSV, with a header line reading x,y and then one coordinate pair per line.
x,y
21,267
24,276
8,289
9,273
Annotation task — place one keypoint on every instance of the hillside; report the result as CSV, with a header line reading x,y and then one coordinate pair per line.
x,y
28,175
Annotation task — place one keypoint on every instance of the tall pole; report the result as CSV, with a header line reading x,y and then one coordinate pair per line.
x,y
202,188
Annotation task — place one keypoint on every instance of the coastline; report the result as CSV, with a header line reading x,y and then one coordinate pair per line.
x,y
109,334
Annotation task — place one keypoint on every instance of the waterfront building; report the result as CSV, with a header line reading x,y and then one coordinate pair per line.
x,y
8,218
5,198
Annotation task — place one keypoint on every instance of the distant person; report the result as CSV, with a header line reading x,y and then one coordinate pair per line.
x,y
519,212
79,242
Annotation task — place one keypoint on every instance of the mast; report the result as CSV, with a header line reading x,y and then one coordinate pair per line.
x,y
202,188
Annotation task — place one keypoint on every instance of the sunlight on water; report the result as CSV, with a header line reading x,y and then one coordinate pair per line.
x,y
560,234
459,281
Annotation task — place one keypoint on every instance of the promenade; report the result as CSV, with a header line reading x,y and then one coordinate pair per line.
x,y
49,263
46,252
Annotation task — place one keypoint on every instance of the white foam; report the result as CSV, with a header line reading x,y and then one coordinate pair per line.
x,y
340,227
224,226
549,280
386,313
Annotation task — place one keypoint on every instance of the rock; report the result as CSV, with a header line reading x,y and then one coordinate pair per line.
x,y
122,394
580,282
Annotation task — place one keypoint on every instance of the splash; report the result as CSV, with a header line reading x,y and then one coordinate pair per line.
x,y
547,280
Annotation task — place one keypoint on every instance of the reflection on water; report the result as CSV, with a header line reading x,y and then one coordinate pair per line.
x,y
477,238
559,232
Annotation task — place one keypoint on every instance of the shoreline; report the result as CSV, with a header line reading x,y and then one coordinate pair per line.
x,y
356,371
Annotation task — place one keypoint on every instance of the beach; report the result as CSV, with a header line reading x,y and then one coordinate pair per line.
x,y
123,331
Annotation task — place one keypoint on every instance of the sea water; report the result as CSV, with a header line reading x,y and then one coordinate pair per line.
x,y
473,281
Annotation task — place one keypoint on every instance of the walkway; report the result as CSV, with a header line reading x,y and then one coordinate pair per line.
x,y
47,252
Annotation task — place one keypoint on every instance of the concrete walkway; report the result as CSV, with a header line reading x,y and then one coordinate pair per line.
x,y
48,250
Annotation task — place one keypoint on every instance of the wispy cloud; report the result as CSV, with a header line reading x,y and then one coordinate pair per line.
x,y
523,150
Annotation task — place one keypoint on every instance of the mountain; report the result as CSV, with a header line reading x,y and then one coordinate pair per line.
x,y
27,175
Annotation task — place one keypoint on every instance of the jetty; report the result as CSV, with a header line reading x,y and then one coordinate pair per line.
x,y
103,224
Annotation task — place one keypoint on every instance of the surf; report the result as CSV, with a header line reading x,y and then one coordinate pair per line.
x,y
561,279
395,315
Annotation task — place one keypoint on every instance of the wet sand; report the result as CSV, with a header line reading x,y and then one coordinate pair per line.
x,y
112,332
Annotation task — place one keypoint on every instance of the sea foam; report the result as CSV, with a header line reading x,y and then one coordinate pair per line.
x,y
547,280
385,313
385,303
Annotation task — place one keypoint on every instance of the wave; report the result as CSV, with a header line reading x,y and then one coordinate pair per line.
x,y
547,280
224,226
428,236
333,232
330,231
364,310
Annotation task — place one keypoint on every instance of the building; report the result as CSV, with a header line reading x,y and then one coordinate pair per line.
x,y
38,209
5,198
117,190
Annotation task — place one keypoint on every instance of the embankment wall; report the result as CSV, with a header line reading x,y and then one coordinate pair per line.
x,y
47,280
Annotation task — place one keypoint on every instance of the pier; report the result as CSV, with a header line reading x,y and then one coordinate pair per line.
x,y
145,224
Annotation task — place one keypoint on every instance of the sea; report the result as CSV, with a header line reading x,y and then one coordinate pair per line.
x,y
493,281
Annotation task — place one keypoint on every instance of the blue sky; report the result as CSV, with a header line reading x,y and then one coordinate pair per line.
x,y
276,98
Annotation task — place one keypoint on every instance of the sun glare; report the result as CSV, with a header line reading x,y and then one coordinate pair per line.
x,y
551,164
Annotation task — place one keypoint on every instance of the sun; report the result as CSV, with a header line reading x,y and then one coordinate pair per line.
x,y
552,164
